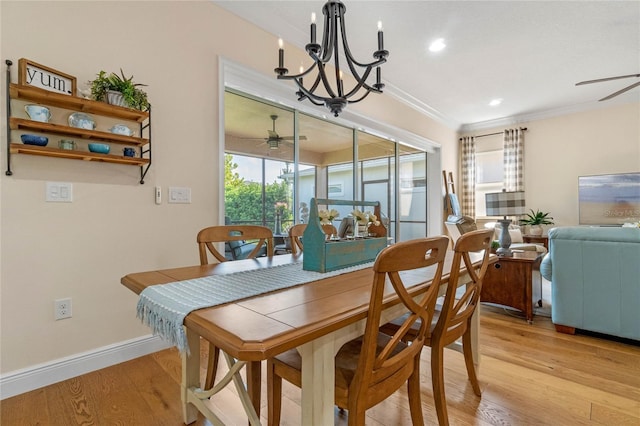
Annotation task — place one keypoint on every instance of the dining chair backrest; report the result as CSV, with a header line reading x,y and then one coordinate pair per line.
x,y
329,229
379,371
296,232
208,237
457,309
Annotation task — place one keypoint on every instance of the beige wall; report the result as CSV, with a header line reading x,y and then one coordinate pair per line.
x,y
559,149
80,250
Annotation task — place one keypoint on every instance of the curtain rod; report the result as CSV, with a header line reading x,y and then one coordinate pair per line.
x,y
524,129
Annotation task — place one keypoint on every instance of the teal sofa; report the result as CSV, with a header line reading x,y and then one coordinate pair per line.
x,y
595,280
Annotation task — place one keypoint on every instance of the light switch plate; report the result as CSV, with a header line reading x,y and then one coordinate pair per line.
x,y
59,192
179,195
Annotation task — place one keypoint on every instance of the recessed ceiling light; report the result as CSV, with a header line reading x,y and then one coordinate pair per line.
x,y
437,45
495,102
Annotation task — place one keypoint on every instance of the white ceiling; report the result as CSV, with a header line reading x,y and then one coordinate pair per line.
x,y
529,53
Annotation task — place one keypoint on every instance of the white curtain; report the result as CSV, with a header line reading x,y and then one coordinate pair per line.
x,y
514,160
468,168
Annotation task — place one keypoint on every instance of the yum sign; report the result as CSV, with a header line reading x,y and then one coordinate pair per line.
x,y
36,75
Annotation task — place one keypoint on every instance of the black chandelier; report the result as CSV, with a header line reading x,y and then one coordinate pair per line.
x,y
337,98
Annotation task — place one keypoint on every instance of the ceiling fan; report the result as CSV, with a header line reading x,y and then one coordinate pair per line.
x,y
275,140
619,92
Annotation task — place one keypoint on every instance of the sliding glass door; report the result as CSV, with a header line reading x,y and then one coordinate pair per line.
x,y
277,159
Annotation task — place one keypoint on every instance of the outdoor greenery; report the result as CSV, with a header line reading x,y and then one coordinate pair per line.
x,y
243,200
133,96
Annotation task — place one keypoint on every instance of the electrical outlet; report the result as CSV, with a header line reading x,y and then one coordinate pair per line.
x,y
62,308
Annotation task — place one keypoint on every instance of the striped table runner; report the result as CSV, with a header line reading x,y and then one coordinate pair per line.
x,y
163,307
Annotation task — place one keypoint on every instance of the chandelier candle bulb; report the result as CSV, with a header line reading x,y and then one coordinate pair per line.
x,y
280,54
313,28
380,36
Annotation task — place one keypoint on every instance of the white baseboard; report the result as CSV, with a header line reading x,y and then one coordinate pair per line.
x,y
37,376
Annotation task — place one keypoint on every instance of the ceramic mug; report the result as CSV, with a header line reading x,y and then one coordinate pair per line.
x,y
38,113
129,152
67,144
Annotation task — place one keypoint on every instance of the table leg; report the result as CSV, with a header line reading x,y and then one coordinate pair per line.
x,y
318,381
254,375
190,376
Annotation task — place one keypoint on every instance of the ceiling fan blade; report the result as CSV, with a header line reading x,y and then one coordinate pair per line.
x,y
613,95
599,80
290,138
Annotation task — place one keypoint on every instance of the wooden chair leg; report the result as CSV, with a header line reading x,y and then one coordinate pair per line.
x,y
437,377
356,417
413,390
468,361
274,395
212,366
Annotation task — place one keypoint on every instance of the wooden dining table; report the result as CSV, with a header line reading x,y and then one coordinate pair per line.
x,y
317,318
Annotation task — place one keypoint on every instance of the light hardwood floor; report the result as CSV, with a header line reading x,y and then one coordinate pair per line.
x,y
530,375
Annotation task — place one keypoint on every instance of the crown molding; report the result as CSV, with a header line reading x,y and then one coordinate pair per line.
x,y
546,114
420,106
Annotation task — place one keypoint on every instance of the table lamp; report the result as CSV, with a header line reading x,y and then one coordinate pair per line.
x,y
505,204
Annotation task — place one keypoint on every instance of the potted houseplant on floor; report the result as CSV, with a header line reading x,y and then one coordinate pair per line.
x,y
535,220
118,90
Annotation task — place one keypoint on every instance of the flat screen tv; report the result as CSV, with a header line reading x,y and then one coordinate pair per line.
x,y
609,200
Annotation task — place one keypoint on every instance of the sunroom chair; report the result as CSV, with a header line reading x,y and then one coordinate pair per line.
x,y
372,367
207,239
296,232
453,319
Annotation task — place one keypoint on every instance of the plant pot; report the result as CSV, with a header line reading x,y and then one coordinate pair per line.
x,y
535,230
115,98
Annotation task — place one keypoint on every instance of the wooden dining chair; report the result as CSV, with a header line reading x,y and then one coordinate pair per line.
x,y
372,367
453,320
296,232
207,239
329,229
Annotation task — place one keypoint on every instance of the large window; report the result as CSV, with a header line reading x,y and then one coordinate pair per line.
x,y
489,170
278,159
412,211
377,170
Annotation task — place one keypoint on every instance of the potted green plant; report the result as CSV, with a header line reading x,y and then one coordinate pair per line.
x,y
118,90
535,220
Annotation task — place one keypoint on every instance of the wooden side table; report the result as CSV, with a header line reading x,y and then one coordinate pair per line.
x,y
536,239
509,282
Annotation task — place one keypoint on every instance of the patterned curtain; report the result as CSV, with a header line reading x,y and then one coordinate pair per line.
x,y
514,160
468,167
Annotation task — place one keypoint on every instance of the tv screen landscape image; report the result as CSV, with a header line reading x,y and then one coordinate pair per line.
x,y
609,200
